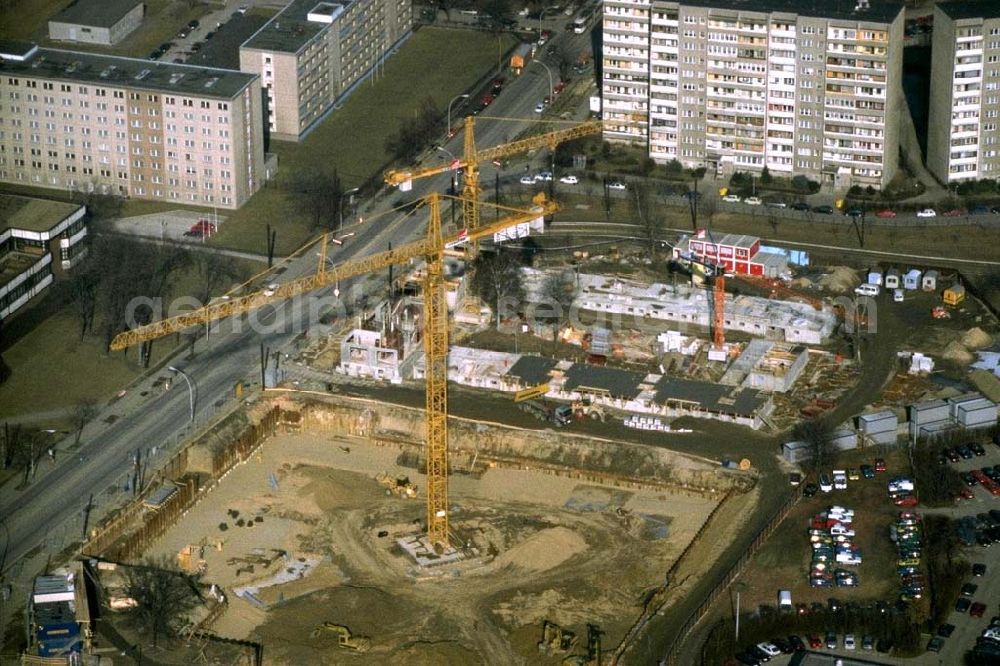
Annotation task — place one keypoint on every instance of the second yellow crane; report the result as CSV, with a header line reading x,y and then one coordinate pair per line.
x,y
431,248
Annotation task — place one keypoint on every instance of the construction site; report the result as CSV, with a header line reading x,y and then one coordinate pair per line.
x,y
362,516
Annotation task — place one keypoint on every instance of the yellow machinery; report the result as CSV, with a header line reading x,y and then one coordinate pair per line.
x,y
397,485
555,639
533,392
344,637
472,158
431,248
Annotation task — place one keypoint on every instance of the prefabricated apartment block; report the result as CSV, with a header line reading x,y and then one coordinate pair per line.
x,y
311,53
135,128
800,87
962,138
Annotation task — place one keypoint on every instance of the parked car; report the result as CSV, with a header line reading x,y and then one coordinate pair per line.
x,y
868,471
969,590
868,642
927,212
540,107
799,205
543,176
731,198
770,649
978,569
935,644
527,180
616,185
815,642
962,605
854,212
955,212
809,489
879,464
831,640
825,484
979,210
849,643
753,201
977,609
823,210
569,180
946,630
885,212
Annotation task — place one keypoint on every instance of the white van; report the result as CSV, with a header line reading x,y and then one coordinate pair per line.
x,y
579,25
867,290
784,600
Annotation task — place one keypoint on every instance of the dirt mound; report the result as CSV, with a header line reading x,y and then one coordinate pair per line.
x,y
544,550
976,338
839,280
956,352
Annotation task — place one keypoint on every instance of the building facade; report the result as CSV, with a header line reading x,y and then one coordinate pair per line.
x,y
104,22
312,53
739,85
133,128
965,92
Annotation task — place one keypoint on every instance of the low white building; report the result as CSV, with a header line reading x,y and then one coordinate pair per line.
x,y
104,22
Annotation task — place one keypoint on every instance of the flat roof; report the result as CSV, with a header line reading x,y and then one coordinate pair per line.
x,y
223,49
971,9
712,397
879,11
32,214
532,370
117,71
617,383
291,29
97,13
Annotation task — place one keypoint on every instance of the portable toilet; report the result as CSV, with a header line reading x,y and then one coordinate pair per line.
x,y
875,276
892,278
954,294
912,279
930,280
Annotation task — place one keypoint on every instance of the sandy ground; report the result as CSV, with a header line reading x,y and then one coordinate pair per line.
x,y
541,547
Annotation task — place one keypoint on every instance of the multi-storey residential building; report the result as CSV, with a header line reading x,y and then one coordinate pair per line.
x,y
135,128
962,138
313,52
809,88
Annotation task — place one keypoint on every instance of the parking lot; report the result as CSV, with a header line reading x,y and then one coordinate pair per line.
x,y
987,586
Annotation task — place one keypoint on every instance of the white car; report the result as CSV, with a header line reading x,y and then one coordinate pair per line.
x,y
849,643
270,289
616,185
569,180
543,176
527,180
841,530
731,198
825,485
770,649
836,508
897,296
540,107
753,201
243,9
927,212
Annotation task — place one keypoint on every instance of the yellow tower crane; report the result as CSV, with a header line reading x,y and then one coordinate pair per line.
x,y
471,159
431,248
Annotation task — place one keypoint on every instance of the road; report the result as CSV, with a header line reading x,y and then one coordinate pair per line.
x,y
148,418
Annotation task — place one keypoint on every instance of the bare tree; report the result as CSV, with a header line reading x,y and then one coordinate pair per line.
x,y
497,280
818,435
84,412
558,292
709,206
318,195
215,271
651,224
163,595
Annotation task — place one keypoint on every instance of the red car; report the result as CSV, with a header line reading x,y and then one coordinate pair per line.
x,y
955,212
815,642
885,213
977,609
879,464
905,500
965,493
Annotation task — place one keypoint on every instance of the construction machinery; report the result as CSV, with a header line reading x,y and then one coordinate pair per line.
x,y
532,392
345,638
431,248
397,485
591,410
471,159
555,639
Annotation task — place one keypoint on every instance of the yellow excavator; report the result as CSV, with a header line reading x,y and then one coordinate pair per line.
x,y
345,638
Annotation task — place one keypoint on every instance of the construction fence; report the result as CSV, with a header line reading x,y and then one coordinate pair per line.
x,y
672,656
121,540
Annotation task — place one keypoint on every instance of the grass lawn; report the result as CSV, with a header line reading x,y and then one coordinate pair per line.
x,y
53,354
352,139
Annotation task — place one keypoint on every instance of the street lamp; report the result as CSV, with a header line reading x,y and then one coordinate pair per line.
x,y
190,387
340,223
456,97
540,15
454,160
549,72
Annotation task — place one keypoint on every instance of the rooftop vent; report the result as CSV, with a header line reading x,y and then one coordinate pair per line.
x,y
143,74
862,5
73,66
108,71
174,78
211,82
